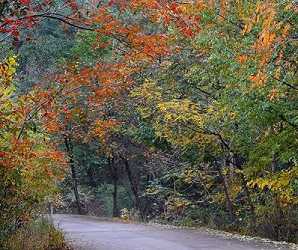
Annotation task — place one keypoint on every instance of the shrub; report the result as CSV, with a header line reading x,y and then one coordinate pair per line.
x,y
38,235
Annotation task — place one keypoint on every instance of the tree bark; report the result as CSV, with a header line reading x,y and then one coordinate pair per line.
x,y
250,204
114,172
69,150
133,185
229,202
238,162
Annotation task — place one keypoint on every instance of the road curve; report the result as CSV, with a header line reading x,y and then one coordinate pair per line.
x,y
89,233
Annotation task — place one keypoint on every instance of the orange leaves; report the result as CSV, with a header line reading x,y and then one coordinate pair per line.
x,y
104,127
110,73
109,80
102,94
271,33
223,8
148,4
273,95
266,39
134,48
108,25
185,17
264,46
151,46
182,15
53,155
259,79
264,15
53,126
242,59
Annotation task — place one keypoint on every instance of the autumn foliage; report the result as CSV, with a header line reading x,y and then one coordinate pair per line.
x,y
30,164
214,82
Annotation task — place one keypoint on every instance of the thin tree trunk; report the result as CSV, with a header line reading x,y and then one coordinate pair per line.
x,y
115,198
238,162
133,186
75,186
114,172
91,179
69,149
89,171
278,209
249,201
229,203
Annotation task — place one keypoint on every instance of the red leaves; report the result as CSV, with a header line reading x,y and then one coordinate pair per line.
x,y
174,8
21,14
73,4
188,32
25,2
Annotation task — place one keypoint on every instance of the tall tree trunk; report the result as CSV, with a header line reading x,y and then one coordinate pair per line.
x,y
278,209
115,198
91,179
238,162
69,149
133,185
250,203
89,171
114,172
229,202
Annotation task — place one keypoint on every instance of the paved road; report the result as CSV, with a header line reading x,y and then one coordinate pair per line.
x,y
89,233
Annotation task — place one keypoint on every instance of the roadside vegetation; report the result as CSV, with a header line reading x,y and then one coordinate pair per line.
x,y
36,235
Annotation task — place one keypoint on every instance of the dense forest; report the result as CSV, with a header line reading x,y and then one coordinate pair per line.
x,y
181,112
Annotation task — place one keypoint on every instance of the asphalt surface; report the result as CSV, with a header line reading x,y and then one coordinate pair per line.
x,y
90,233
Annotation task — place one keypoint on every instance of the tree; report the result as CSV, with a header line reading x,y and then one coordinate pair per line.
x,y
30,164
192,106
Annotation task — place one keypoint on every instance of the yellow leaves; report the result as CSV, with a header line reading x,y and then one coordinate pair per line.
x,y
32,154
149,90
104,127
7,71
277,73
181,110
176,205
166,64
189,175
148,95
279,183
247,28
180,122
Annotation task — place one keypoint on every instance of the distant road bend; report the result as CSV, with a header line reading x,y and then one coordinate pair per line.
x,y
88,233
